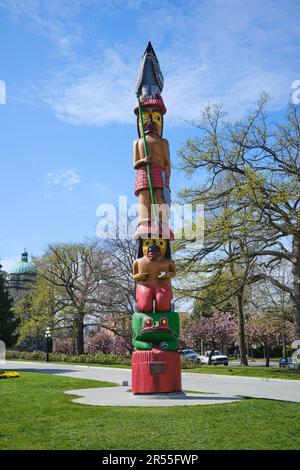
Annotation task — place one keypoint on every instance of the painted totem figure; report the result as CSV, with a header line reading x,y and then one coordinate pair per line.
x,y
155,325
153,271
151,155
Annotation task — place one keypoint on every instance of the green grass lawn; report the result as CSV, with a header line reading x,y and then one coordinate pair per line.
x,y
36,414
267,372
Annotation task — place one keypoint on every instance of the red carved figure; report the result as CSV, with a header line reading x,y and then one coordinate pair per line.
x,y
153,273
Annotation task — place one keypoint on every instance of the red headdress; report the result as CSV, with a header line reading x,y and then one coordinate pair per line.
x,y
151,101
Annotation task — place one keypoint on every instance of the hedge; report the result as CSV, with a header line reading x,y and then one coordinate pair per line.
x,y
85,358
106,359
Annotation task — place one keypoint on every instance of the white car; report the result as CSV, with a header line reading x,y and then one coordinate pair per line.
x,y
217,358
191,355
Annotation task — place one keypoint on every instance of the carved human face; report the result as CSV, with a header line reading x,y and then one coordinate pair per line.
x,y
154,248
153,121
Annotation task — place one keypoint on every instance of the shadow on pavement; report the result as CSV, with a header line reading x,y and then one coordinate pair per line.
x,y
213,398
45,371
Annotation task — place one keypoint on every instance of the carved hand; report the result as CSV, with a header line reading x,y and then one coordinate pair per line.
x,y
147,159
141,276
165,275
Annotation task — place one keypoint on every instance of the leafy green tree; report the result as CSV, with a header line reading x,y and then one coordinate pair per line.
x,y
8,320
77,274
251,196
42,308
80,288
223,269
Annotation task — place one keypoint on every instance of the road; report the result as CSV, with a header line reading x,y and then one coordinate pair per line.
x,y
275,389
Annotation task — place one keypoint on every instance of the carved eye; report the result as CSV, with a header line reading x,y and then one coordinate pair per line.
x,y
148,322
160,243
158,118
163,321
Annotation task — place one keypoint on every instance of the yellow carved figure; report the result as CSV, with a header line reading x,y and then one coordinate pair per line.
x,y
159,242
153,122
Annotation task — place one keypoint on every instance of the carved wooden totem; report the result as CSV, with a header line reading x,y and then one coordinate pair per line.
x,y
155,324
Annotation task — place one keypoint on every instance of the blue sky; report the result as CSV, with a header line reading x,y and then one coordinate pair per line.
x,y
70,66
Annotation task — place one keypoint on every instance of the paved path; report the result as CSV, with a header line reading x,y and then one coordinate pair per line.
x,y
275,389
121,396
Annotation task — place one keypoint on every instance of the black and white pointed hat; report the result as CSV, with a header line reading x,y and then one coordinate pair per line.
x,y
150,80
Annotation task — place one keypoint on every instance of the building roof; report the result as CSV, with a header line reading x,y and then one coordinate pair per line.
x,y
23,266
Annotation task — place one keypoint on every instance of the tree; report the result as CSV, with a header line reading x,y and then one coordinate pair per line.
x,y
8,320
79,274
64,346
222,271
255,164
115,313
267,330
80,288
220,329
265,296
106,343
43,307
121,254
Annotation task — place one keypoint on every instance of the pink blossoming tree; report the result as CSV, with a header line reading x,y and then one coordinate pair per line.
x,y
268,330
220,329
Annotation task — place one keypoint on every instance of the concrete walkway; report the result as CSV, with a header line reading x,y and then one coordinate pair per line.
x,y
275,389
121,396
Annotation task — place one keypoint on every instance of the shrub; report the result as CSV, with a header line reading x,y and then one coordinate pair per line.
x,y
9,374
100,342
106,359
106,343
83,358
64,346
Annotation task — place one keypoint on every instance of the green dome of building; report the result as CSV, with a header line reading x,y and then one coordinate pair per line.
x,y
23,266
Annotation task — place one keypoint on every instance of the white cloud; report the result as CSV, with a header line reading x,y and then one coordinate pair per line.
x,y
66,179
225,51
99,93
53,20
2,92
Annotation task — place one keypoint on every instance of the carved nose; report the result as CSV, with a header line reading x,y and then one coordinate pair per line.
x,y
153,249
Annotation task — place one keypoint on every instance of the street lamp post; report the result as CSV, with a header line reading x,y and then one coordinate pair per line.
x,y
48,339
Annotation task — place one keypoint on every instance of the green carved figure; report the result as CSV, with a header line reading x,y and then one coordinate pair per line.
x,y
155,329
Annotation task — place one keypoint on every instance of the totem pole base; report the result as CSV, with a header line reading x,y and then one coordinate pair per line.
x,y
156,371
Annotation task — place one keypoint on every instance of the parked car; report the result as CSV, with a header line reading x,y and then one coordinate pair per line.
x,y
216,358
190,355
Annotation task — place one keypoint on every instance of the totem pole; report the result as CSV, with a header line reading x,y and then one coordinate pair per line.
x,y
155,324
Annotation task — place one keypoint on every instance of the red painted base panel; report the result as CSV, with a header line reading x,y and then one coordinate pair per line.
x,y
156,371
